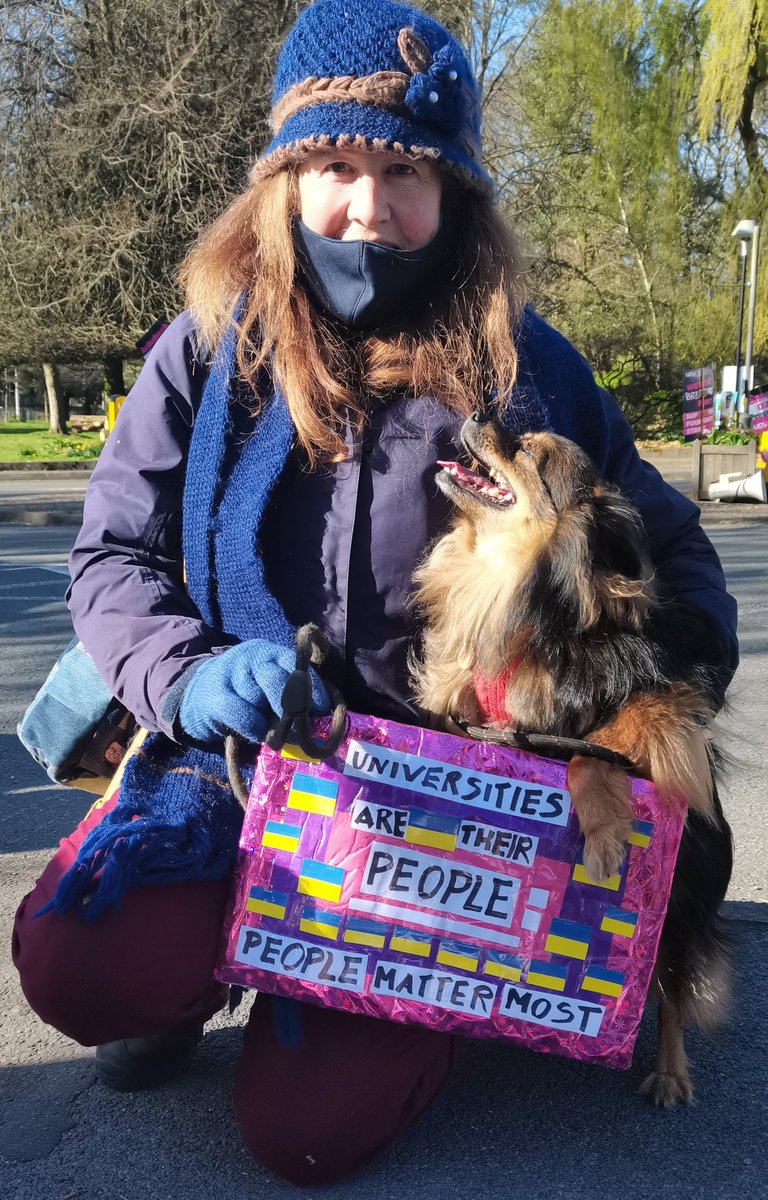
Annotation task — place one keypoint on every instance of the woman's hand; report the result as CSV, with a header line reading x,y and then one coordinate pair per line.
x,y
239,690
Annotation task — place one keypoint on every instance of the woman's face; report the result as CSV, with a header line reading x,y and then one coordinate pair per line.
x,y
361,195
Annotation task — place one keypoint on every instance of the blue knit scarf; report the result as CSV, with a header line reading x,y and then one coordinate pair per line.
x,y
176,818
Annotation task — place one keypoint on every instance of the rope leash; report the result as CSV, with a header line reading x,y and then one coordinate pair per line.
x,y
294,724
544,743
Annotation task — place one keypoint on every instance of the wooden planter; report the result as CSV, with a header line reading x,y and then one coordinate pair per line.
x,y
710,462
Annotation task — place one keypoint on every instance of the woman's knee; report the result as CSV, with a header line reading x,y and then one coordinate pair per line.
x,y
323,1109
304,1142
139,970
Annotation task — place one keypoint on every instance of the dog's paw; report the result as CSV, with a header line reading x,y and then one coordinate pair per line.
x,y
600,793
604,850
666,1090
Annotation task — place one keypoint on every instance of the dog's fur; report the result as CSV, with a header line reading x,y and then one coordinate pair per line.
x,y
547,569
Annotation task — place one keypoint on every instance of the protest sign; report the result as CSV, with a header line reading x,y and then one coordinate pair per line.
x,y
421,877
758,408
698,402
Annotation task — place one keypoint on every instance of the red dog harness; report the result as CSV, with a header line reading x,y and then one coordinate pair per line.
x,y
492,695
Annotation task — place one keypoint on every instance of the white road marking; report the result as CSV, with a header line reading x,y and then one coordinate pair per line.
x,y
53,567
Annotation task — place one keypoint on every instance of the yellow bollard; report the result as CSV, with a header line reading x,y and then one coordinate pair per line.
x,y
114,404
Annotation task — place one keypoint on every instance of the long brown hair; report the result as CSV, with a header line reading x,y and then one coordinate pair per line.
x,y
463,351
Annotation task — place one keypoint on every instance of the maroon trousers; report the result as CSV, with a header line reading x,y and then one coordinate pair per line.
x,y
312,1114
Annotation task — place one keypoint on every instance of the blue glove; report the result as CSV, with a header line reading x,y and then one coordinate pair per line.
x,y
237,692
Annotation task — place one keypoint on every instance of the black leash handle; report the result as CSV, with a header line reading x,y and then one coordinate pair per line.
x,y
233,759
294,723
545,743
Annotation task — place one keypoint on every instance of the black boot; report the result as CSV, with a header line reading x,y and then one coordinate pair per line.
x,y
133,1064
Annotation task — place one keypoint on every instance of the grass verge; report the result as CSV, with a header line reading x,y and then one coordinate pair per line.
x,y
30,441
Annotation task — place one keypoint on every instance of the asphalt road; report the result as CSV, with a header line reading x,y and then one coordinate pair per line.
x,y
510,1124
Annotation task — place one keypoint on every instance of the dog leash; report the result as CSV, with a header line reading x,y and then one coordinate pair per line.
x,y
294,722
544,743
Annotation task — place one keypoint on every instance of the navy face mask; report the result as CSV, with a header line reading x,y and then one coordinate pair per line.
x,y
364,285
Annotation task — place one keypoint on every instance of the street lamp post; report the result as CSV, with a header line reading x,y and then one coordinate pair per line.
x,y
740,322
752,304
747,232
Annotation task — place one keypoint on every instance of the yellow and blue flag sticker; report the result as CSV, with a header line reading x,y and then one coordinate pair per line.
x,y
618,920
410,941
320,880
277,835
309,794
642,832
362,932
613,883
603,981
296,754
319,922
267,903
568,938
458,954
502,966
431,829
548,975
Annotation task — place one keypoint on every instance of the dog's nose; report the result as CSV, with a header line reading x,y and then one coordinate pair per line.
x,y
481,417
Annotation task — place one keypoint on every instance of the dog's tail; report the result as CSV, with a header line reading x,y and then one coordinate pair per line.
x,y
694,968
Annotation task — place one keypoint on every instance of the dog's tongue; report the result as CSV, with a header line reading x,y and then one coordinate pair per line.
x,y
462,475
476,483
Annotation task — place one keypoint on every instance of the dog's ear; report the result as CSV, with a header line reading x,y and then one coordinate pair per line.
x,y
618,540
621,564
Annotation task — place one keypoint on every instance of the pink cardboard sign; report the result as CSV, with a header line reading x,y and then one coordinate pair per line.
x,y
425,878
758,407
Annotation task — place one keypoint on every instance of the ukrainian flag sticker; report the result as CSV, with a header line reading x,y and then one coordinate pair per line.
x,y
319,922
613,883
431,829
362,932
296,754
267,903
410,941
566,937
602,981
548,975
320,880
619,921
279,836
503,966
642,832
458,954
309,794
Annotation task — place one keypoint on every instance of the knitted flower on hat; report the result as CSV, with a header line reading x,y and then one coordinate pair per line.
x,y
374,75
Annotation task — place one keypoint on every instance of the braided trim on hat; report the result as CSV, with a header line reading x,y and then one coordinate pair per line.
x,y
297,151
413,51
384,89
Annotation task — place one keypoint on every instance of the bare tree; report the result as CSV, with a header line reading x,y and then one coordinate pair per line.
x,y
125,125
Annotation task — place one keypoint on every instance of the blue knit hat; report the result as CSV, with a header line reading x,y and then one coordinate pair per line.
x,y
374,75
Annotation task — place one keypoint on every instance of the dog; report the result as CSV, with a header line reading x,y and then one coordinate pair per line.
x,y
540,613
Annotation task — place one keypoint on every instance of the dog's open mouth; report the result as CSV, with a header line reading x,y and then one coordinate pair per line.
x,y
489,488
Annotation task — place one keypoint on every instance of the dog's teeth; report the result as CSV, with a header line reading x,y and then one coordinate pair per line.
x,y
494,491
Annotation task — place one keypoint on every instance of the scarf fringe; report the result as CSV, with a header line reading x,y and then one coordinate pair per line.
x,y
176,820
